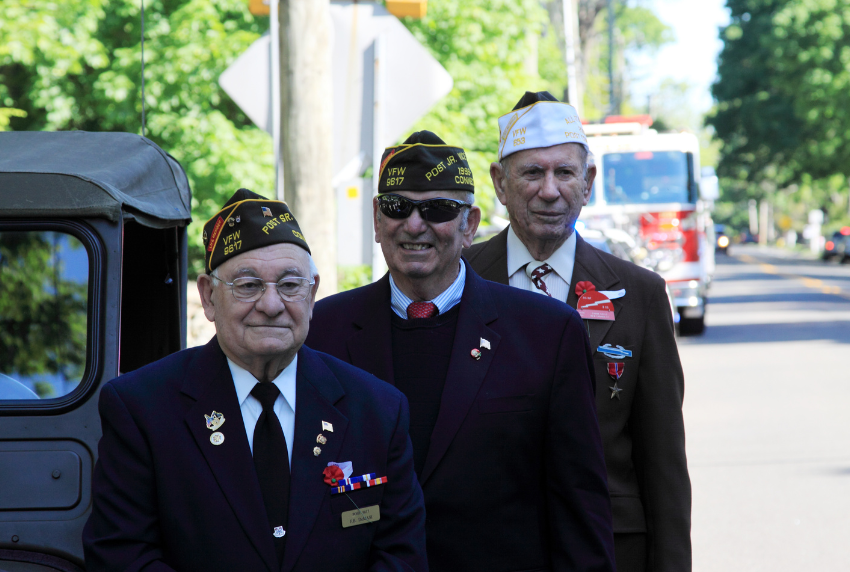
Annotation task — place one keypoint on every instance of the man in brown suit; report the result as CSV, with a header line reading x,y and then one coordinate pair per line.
x,y
543,179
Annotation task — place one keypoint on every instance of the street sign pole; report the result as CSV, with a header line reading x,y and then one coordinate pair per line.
x,y
274,48
379,265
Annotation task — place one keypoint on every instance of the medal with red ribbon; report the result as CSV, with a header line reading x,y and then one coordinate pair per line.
x,y
616,369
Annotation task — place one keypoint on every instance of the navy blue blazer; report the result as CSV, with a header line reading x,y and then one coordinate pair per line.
x,y
514,478
166,498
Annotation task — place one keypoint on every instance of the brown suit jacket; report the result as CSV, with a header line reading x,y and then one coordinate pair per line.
x,y
642,430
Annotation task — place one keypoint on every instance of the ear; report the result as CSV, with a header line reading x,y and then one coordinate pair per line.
x,y
205,289
588,189
471,226
375,215
312,300
497,175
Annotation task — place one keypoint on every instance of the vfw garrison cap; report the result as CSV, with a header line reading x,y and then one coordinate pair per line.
x,y
246,222
539,120
424,163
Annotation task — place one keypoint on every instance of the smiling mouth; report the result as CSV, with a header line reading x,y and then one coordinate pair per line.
x,y
415,246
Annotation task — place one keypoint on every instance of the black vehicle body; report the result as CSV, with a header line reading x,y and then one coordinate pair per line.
x,y
838,246
93,231
721,239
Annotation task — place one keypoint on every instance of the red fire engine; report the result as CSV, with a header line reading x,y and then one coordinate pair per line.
x,y
648,184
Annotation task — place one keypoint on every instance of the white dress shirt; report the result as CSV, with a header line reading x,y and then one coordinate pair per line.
x,y
562,262
444,302
284,405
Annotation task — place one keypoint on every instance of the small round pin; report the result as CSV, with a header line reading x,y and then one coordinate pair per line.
x,y
321,439
317,451
217,438
476,353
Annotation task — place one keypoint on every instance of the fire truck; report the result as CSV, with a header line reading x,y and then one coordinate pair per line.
x,y
648,184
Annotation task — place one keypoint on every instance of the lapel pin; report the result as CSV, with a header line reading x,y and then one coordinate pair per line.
x,y
317,451
214,420
279,532
321,439
475,353
593,305
327,426
485,344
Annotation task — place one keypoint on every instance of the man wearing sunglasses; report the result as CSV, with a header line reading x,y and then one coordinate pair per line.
x,y
255,452
544,179
505,440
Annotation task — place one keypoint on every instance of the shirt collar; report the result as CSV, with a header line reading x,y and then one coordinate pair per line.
x,y
562,260
245,382
447,300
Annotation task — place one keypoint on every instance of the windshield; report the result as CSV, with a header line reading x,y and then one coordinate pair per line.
x,y
646,177
43,313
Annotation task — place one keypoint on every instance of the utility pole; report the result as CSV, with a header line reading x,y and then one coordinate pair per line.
x,y
306,95
574,91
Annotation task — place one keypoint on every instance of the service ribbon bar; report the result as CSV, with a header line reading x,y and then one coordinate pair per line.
x,y
358,485
360,479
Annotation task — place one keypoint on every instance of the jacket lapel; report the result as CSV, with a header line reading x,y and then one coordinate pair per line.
x,y
370,349
466,374
209,383
492,258
317,390
590,266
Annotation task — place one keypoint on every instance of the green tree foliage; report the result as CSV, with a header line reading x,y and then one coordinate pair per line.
x,y
76,64
42,311
485,46
783,105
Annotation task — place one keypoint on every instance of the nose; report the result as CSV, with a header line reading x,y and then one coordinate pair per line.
x,y
270,303
549,188
415,224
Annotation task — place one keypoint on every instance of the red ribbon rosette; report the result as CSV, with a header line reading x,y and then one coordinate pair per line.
x,y
333,475
584,286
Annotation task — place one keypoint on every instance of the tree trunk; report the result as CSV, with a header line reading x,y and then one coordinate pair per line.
x,y
306,115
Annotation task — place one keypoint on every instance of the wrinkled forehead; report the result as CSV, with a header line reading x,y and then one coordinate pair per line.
x,y
269,262
572,154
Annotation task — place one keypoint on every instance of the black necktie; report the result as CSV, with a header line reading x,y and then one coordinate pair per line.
x,y
272,463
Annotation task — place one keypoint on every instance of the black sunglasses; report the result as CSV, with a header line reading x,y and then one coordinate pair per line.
x,y
431,210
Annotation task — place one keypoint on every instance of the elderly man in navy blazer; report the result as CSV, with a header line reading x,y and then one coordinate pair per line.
x,y
503,423
255,452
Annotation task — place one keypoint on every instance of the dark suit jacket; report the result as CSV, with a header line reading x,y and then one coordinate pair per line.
x,y
642,431
165,498
514,478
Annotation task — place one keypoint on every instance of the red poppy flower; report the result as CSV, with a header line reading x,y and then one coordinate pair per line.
x,y
584,286
333,475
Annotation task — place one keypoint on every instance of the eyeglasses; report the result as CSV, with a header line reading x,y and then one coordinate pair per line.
x,y
431,210
250,289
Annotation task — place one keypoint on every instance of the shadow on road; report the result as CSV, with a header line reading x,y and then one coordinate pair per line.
x,y
800,297
838,332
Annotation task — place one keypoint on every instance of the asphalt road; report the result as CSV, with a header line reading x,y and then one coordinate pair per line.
x,y
767,415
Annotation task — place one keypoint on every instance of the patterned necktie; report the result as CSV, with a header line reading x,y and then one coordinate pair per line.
x,y
537,273
272,463
422,310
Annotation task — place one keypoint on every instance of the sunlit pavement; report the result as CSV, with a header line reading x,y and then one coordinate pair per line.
x,y
767,414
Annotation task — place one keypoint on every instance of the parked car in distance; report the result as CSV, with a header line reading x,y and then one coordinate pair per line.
x,y
838,245
721,239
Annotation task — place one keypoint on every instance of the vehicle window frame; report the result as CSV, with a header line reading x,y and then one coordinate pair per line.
x,y
94,316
